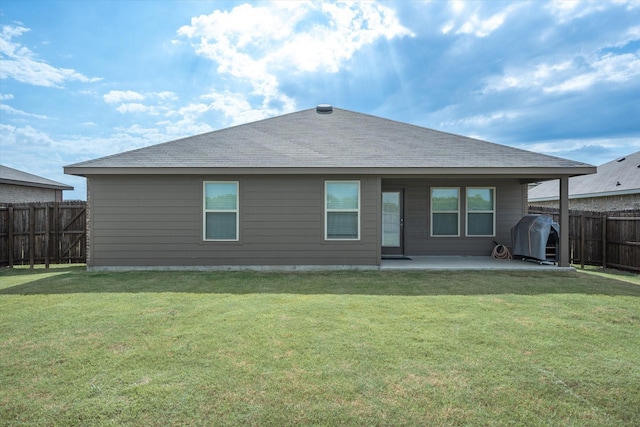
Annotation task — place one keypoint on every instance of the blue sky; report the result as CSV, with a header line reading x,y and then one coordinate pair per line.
x,y
85,79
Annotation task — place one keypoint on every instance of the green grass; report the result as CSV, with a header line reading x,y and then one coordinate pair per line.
x,y
338,348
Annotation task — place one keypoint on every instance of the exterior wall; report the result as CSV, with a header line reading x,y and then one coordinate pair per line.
x,y
510,207
154,221
598,204
10,193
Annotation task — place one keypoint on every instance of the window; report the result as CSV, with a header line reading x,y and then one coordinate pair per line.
x,y
481,208
445,211
221,211
342,210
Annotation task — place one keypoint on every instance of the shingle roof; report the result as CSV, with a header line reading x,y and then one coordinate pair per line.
x,y
620,176
341,139
15,177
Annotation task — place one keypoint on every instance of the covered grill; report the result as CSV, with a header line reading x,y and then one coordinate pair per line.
x,y
536,237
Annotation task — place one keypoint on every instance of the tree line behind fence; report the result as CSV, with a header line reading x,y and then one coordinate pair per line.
x,y
43,233
607,239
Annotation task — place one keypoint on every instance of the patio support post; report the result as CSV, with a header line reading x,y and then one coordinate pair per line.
x,y
564,222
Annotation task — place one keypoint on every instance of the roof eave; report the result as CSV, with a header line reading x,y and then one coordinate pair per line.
x,y
588,195
529,172
35,184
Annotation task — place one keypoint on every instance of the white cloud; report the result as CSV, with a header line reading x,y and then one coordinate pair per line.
x,y
20,63
474,21
239,110
167,95
632,34
6,97
255,44
124,98
559,147
483,120
457,6
568,10
133,107
11,110
482,27
118,96
570,75
13,136
446,29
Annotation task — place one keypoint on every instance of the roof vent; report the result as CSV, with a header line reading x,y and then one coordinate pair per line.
x,y
618,183
621,159
324,109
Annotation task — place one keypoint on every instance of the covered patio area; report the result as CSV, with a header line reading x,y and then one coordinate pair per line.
x,y
464,263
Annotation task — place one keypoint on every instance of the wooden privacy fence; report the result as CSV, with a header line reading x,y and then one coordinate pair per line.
x,y
607,239
43,233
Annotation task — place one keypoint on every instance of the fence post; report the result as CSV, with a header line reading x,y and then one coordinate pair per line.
x,y
10,241
56,232
47,232
604,240
32,236
582,246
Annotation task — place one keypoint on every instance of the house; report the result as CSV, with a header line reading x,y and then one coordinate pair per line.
x,y
615,187
319,187
21,187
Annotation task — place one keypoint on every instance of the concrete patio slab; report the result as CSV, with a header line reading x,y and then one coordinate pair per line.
x,y
465,263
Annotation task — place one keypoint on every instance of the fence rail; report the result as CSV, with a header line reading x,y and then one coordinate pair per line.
x,y
43,233
607,239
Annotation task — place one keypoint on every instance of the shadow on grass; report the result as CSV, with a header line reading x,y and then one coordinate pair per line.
x,y
74,280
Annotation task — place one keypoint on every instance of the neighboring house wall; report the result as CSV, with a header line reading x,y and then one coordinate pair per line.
x,y
598,204
143,220
10,193
510,207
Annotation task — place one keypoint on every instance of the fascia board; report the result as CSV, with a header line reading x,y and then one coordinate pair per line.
x,y
529,172
35,184
589,195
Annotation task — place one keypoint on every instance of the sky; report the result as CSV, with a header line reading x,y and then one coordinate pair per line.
x,y
85,79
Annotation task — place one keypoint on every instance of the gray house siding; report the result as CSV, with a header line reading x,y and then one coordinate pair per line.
x,y
510,197
156,220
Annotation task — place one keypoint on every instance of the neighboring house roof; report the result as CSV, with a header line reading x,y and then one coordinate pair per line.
x,y
617,177
323,139
15,177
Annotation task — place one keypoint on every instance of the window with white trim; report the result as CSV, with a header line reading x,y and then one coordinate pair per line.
x,y
221,211
481,211
342,210
445,212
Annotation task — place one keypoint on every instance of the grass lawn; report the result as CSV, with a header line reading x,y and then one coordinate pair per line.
x,y
334,348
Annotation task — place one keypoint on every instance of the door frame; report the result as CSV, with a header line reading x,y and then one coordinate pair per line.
x,y
393,250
